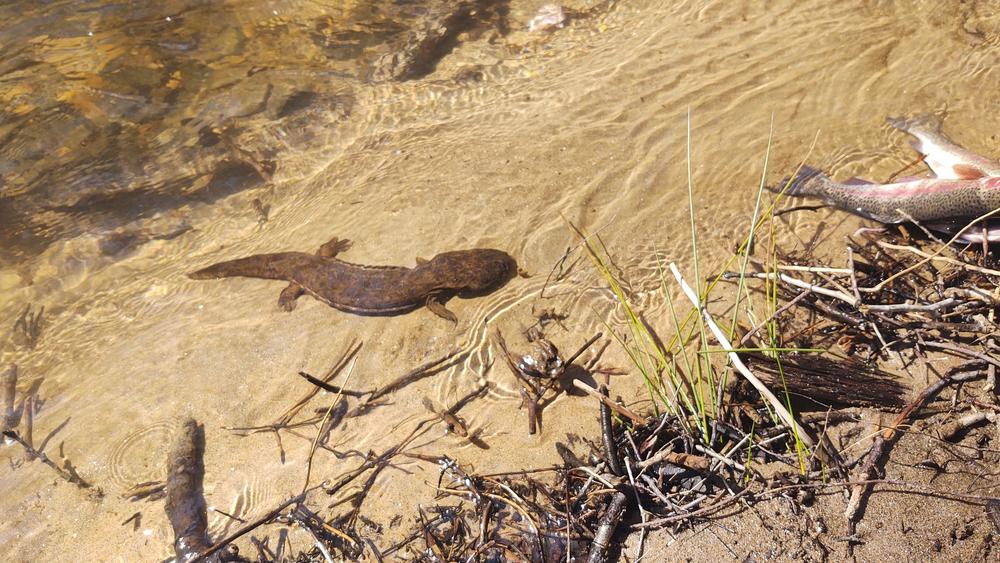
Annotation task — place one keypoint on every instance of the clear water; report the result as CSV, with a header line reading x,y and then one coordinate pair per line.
x,y
141,142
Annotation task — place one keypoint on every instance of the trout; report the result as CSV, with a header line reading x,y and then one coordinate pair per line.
x,y
945,158
967,186
932,199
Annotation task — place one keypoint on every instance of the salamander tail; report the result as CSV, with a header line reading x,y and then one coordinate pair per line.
x,y
266,266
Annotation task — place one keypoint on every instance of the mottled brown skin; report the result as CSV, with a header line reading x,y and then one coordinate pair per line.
x,y
374,290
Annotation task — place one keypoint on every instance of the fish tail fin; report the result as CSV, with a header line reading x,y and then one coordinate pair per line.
x,y
922,122
265,266
808,181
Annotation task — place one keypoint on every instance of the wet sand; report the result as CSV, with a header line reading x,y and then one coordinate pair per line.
x,y
506,136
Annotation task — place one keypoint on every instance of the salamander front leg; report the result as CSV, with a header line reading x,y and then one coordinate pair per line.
x,y
288,296
437,307
332,248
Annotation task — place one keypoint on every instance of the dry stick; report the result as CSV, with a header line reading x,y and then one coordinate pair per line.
x,y
935,257
696,514
965,351
331,388
322,430
930,257
352,351
805,285
884,441
28,407
609,523
691,461
624,411
642,511
416,374
582,349
952,430
248,528
946,303
533,400
608,435
75,479
776,404
817,269
374,461
854,276
285,419
532,406
746,337
305,526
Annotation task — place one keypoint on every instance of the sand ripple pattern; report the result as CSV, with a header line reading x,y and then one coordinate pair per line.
x,y
141,456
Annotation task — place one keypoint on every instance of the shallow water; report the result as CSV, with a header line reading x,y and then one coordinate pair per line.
x,y
140,144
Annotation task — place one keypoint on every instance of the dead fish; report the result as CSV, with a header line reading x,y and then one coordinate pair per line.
x,y
965,186
930,200
942,155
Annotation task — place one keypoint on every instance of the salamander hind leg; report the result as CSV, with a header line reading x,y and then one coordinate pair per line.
x,y
437,307
288,296
332,248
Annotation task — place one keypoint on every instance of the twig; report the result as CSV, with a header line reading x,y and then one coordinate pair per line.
x,y
28,407
624,411
582,349
885,439
824,269
913,308
248,528
352,349
323,429
696,514
416,374
746,337
692,461
331,388
965,351
803,285
930,257
609,523
937,258
68,475
608,436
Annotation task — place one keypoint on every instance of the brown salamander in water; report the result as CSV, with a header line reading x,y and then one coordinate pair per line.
x,y
374,290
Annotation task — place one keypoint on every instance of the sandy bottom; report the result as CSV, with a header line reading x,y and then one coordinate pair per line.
x,y
510,136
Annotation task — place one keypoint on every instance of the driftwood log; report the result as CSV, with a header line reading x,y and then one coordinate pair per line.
x,y
8,388
185,501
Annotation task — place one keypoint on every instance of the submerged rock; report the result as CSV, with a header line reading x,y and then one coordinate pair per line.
x,y
549,16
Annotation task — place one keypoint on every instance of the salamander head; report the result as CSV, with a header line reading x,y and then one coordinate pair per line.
x,y
474,271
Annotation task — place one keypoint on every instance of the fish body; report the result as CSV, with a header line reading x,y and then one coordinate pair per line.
x,y
942,155
374,290
929,199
